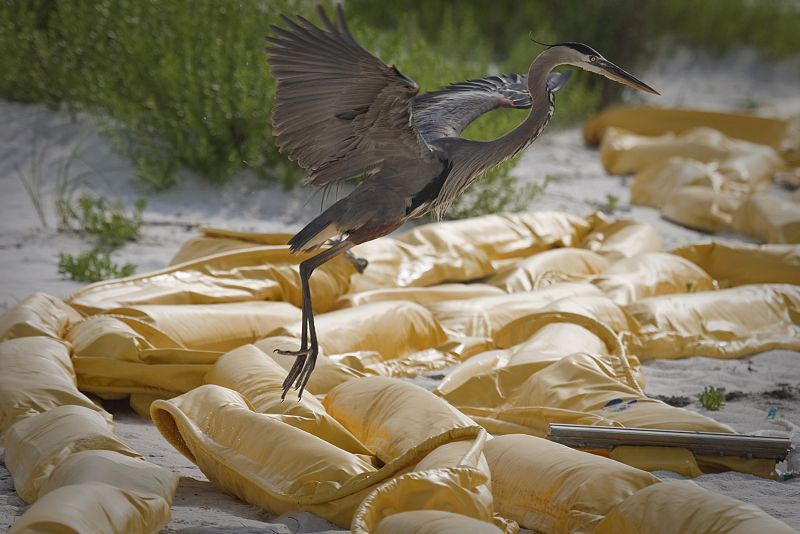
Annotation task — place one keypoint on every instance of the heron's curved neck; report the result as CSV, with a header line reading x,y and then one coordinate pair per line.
x,y
524,134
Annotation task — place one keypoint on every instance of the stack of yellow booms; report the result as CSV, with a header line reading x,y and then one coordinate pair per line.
x,y
541,317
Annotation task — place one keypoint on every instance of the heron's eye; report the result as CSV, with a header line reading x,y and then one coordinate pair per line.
x,y
594,59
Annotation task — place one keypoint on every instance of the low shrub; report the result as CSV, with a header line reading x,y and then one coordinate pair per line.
x,y
92,266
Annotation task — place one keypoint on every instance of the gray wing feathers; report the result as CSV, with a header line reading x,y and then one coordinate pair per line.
x,y
448,111
339,111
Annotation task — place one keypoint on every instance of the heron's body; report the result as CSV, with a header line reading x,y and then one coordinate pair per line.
x,y
342,113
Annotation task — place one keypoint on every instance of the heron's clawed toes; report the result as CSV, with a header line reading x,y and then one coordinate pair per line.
x,y
300,373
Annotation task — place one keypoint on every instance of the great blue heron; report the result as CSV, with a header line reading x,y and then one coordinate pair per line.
x,y
340,113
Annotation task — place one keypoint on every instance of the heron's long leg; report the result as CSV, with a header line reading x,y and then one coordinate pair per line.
x,y
300,372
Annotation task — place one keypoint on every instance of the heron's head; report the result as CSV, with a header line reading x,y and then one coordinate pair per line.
x,y
587,58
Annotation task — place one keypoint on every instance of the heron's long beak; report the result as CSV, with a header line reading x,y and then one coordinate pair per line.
x,y
612,72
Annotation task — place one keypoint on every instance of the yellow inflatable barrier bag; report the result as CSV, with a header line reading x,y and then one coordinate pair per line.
x,y
550,488
683,506
656,184
259,379
219,240
770,217
454,477
623,152
621,239
484,317
34,447
659,121
390,328
392,417
37,376
491,378
649,274
94,508
38,315
264,461
432,522
548,267
737,264
458,251
701,208
502,236
96,492
115,356
261,459
257,273
553,394
216,327
424,296
717,324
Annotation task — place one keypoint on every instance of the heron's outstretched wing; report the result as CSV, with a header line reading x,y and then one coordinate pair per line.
x,y
448,111
339,111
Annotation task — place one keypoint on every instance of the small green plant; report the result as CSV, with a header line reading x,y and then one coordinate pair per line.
x,y
108,223
91,266
111,228
712,398
612,203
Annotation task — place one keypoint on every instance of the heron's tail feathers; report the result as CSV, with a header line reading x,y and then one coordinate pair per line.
x,y
315,233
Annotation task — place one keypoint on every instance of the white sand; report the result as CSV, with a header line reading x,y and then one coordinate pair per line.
x,y
28,259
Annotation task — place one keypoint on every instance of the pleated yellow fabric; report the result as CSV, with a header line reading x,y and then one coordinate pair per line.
x,y
658,121
683,506
215,327
56,434
267,272
94,508
736,264
459,251
615,240
542,318
711,176
100,491
424,296
769,217
433,522
216,240
649,274
484,317
544,269
551,488
259,379
38,315
390,328
37,376
455,472
735,321
391,417
217,429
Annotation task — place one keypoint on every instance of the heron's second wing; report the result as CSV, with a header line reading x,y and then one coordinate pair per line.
x,y
339,111
448,111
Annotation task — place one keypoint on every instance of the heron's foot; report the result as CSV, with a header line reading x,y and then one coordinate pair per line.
x,y
295,353
300,373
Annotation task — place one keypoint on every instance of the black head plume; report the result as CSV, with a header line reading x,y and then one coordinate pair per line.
x,y
530,36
